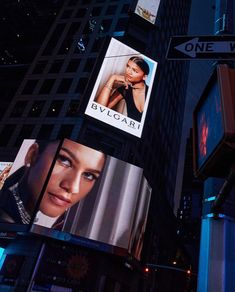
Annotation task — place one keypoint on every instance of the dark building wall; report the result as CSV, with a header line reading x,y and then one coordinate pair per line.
x,y
49,103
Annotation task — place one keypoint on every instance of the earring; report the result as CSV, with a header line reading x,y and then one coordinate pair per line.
x,y
28,164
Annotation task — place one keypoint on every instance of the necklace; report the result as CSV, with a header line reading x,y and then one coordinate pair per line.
x,y
24,215
139,88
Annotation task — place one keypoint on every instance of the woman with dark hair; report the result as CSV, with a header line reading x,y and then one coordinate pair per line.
x,y
76,169
129,87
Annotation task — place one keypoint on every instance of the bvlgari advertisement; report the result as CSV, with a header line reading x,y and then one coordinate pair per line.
x,y
122,90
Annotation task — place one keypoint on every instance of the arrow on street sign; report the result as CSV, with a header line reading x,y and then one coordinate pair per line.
x,y
203,47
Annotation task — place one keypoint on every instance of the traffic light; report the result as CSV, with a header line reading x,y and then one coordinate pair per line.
x,y
146,269
214,125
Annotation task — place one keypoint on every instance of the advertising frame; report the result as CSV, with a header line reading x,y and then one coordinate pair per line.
x,y
114,63
147,10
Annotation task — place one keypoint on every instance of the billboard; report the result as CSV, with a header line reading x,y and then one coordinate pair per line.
x,y
66,190
22,188
122,90
147,9
95,197
5,168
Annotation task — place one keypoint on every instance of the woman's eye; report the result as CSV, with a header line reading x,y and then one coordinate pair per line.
x,y
64,160
89,176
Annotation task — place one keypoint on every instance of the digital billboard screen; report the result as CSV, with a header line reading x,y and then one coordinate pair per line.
x,y
147,9
122,90
23,185
94,200
5,168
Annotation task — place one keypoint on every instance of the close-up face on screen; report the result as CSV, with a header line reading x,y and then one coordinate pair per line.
x,y
76,170
94,196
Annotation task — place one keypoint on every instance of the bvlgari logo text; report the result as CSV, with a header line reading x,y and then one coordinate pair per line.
x,y
111,114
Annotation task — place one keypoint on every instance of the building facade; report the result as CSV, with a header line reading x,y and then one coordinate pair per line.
x,y
51,99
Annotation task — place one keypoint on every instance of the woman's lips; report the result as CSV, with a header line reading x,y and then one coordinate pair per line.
x,y
59,200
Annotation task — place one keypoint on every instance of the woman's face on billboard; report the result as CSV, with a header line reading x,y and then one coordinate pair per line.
x,y
134,73
76,169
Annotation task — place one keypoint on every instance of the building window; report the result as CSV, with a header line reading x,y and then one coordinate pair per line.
x,y
45,132
66,44
29,86
67,14
6,134
125,8
56,66
18,108
97,45
73,65
47,86
111,10
121,25
36,109
106,25
73,108
72,2
96,11
65,131
39,67
25,133
64,85
56,35
81,12
89,65
82,83
55,108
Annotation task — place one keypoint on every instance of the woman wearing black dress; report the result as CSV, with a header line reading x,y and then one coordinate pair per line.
x,y
130,87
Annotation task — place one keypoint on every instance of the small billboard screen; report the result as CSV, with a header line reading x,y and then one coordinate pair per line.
x,y
5,168
122,90
147,9
94,200
22,185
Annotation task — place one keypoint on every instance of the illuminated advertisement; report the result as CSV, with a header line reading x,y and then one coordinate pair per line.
x,y
25,181
94,196
5,168
147,9
122,90
67,190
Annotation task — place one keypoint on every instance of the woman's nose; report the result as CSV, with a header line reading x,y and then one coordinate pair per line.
x,y
72,183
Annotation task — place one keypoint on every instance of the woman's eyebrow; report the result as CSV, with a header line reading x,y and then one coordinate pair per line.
x,y
75,158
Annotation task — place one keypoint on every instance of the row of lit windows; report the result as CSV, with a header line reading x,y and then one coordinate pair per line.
x,y
38,106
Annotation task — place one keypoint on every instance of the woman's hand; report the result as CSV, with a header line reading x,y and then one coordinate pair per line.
x,y
107,91
116,79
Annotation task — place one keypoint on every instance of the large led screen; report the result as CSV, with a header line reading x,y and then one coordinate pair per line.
x,y
122,90
23,182
95,198
147,9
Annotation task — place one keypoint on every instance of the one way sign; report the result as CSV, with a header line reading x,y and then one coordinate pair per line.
x,y
202,47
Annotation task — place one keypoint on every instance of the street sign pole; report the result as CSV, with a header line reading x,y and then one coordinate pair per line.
x,y
217,253
220,47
